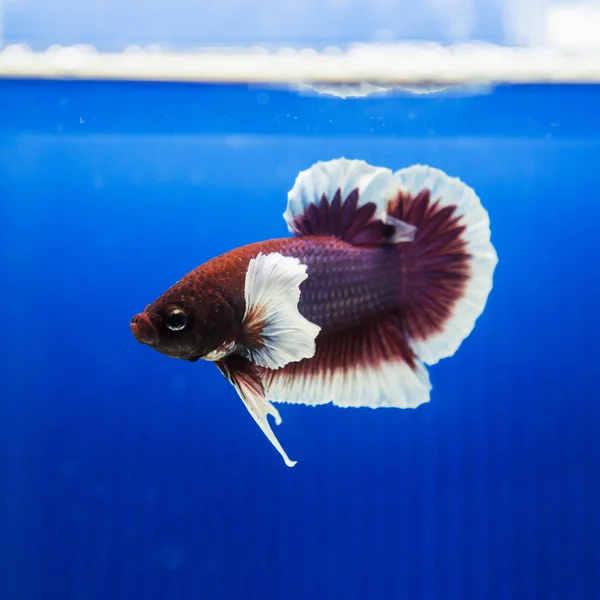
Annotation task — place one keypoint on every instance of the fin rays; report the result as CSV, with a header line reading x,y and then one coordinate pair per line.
x,y
450,264
245,379
275,331
371,366
346,199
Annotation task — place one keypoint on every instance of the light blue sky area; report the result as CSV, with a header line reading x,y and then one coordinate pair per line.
x,y
115,24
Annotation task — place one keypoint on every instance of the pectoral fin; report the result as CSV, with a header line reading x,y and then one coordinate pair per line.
x,y
245,378
274,331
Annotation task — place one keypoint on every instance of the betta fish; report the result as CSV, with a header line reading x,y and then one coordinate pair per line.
x,y
385,273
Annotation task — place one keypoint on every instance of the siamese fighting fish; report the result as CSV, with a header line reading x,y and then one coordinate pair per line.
x,y
386,272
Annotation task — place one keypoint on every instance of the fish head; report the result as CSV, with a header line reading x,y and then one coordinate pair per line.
x,y
186,323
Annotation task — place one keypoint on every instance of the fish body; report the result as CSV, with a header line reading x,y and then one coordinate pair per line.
x,y
385,273
333,296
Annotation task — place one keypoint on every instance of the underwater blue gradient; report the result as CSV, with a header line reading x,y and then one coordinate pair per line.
x,y
127,475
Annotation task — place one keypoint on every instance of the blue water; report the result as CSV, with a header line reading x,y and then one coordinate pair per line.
x,y
126,475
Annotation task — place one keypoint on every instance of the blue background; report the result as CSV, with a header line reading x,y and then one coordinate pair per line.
x,y
125,474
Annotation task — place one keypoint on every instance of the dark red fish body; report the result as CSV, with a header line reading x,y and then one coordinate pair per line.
x,y
344,285
378,280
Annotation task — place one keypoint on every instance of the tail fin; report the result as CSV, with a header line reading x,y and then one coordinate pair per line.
x,y
442,235
448,267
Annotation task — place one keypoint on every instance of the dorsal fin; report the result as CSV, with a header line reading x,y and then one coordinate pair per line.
x,y
346,199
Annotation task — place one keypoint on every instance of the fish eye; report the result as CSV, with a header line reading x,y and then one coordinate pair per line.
x,y
176,319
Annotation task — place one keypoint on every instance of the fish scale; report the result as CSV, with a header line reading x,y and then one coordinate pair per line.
x,y
335,296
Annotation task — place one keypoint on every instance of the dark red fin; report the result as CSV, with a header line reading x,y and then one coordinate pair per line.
x,y
371,365
245,378
346,199
447,269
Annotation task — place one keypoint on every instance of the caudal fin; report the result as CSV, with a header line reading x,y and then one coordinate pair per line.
x,y
441,233
447,269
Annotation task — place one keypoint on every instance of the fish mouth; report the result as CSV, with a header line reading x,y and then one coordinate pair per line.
x,y
143,329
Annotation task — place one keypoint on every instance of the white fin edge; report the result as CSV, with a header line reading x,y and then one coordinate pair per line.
x,y
390,384
272,292
375,184
452,191
259,407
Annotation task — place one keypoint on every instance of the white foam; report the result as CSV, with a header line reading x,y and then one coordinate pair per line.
x,y
377,64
